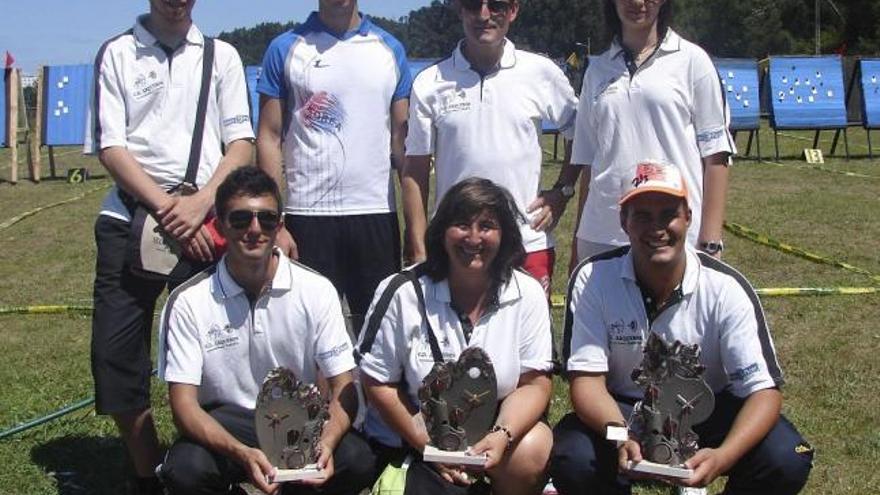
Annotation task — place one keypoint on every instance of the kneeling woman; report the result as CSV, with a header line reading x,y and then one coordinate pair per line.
x,y
473,297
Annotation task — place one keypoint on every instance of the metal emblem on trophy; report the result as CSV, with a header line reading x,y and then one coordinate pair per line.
x,y
458,402
289,419
676,398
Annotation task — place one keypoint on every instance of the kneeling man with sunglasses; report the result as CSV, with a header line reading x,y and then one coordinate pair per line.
x,y
221,333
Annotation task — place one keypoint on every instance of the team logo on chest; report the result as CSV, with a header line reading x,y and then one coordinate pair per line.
x,y
221,337
454,101
147,84
624,333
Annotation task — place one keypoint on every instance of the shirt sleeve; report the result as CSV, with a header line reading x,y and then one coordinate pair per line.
x,y
583,149
382,360
588,343
232,96
536,343
180,350
744,356
106,116
272,78
420,137
404,78
333,352
560,104
711,114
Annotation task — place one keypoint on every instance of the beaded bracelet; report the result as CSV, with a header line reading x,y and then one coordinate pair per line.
x,y
506,431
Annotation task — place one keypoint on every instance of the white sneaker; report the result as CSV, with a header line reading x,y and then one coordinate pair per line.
x,y
689,490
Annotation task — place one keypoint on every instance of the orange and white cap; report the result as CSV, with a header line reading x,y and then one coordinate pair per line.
x,y
655,176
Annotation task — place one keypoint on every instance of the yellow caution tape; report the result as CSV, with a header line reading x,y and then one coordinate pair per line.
x,y
558,300
816,291
14,220
45,310
751,235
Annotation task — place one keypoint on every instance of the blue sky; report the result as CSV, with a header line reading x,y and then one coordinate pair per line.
x,y
55,32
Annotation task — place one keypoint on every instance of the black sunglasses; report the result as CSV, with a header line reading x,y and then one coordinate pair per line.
x,y
241,219
495,6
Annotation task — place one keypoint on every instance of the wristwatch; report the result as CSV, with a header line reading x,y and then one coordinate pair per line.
x,y
712,247
567,190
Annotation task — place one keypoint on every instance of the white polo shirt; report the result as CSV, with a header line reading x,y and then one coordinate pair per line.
x,y
671,109
516,336
210,335
337,92
606,324
490,126
145,100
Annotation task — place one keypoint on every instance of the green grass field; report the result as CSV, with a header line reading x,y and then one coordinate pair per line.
x,y
828,345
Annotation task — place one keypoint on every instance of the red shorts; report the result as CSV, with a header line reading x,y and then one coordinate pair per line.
x,y
540,265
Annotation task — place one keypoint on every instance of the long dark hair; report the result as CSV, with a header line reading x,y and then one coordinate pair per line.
x,y
615,28
463,202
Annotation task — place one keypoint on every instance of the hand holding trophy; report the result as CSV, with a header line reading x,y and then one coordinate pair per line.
x,y
676,398
290,418
458,402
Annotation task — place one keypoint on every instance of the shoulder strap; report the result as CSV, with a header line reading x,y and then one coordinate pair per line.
x,y
432,339
195,150
381,308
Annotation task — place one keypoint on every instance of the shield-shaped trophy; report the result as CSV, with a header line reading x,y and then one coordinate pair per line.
x,y
458,403
676,398
289,419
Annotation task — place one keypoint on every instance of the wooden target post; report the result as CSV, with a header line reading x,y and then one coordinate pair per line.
x,y
36,132
12,86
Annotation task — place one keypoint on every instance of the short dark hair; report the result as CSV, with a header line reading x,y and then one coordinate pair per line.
x,y
463,202
245,181
615,28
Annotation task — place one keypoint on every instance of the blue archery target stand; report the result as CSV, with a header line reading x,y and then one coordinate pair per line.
x,y
741,90
66,92
807,93
868,75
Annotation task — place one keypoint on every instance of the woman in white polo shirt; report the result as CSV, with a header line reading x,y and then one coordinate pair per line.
x,y
473,297
651,95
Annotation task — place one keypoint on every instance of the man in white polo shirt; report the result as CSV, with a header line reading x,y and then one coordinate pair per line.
x,y
146,90
334,96
661,284
225,329
478,113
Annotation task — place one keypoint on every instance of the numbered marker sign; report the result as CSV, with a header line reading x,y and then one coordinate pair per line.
x,y
77,175
813,156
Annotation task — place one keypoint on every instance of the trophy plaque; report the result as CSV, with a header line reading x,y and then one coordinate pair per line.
x,y
289,419
676,398
458,402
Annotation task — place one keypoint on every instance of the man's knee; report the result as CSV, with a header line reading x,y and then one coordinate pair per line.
x,y
573,461
354,462
190,469
780,464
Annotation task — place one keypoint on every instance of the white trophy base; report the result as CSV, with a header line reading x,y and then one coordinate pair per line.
x,y
433,454
648,467
310,472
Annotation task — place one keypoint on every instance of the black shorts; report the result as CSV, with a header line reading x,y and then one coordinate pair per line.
x,y
355,252
122,323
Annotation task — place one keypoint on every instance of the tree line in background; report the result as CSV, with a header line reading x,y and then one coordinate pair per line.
x,y
724,28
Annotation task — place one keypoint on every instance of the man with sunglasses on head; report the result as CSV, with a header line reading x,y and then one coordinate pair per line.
x,y
225,329
334,96
479,113
142,122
